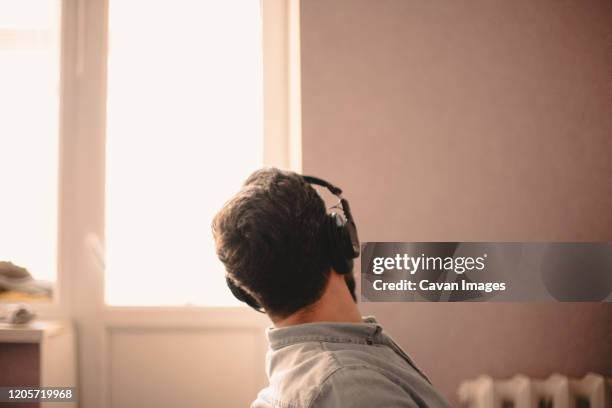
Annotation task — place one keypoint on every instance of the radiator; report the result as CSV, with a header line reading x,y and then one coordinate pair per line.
x,y
558,391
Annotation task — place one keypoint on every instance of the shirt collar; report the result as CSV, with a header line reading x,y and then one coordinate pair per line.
x,y
368,332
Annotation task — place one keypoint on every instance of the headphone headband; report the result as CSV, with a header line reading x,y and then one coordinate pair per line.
x,y
320,182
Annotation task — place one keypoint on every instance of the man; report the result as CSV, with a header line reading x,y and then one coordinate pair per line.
x,y
286,256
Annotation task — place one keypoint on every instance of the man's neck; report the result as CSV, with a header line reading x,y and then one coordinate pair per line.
x,y
335,305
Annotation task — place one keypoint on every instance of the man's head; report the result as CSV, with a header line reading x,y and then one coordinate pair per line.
x,y
271,238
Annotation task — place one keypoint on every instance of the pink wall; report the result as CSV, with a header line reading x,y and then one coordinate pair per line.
x,y
469,121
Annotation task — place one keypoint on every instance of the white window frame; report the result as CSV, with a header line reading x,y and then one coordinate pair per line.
x,y
82,133
79,293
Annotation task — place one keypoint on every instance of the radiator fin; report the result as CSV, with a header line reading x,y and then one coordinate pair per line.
x,y
520,391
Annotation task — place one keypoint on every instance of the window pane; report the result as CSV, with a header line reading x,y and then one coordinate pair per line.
x,y
184,130
29,111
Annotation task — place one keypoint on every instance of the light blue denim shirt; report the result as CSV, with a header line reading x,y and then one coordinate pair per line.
x,y
354,365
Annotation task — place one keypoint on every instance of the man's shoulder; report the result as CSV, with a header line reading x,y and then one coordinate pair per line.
x,y
299,370
302,371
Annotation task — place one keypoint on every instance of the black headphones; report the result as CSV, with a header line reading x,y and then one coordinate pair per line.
x,y
341,236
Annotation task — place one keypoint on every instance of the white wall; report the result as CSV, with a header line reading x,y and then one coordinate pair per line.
x,y
185,367
470,121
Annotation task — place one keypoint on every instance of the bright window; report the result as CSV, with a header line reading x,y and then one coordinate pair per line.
x,y
29,112
184,128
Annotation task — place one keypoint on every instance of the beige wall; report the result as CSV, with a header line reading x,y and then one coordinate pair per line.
x,y
479,120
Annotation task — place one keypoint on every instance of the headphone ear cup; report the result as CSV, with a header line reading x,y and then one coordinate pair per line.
x,y
242,295
338,239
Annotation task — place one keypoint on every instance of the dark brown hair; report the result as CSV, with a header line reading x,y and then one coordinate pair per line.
x,y
270,237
